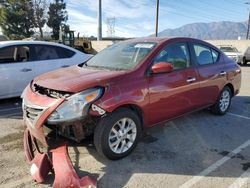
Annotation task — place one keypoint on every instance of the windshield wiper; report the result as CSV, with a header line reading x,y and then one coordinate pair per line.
x,y
84,63
98,67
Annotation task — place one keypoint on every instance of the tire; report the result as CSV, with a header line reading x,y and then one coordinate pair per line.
x,y
223,103
244,61
110,137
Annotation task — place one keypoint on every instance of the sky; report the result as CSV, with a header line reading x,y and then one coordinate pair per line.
x,y
136,18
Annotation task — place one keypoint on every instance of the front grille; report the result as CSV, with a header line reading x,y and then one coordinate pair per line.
x,y
32,113
51,92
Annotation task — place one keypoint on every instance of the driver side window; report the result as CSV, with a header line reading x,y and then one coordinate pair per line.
x,y
177,54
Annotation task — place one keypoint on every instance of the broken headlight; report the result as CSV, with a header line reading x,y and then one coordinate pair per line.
x,y
76,106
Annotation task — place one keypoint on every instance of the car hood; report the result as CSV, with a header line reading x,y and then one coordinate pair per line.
x,y
75,79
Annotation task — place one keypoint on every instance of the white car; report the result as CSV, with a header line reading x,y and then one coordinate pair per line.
x,y
21,61
232,52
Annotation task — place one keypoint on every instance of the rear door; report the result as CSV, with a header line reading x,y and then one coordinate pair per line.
x,y
48,58
212,74
16,70
175,93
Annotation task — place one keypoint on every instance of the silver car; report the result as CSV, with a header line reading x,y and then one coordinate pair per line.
x,y
246,57
232,53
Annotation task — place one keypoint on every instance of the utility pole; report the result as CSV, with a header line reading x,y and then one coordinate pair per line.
x,y
99,20
156,18
248,24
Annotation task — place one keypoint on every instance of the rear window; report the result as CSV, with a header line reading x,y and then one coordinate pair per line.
x,y
45,52
205,55
215,55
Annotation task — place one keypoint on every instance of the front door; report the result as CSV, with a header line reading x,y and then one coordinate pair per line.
x,y
16,70
177,92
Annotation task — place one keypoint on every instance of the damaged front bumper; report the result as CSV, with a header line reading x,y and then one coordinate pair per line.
x,y
37,109
60,165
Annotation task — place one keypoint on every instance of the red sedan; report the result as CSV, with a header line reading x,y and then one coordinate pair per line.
x,y
127,87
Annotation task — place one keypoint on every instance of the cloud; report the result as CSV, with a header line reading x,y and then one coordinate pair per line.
x,y
77,15
133,18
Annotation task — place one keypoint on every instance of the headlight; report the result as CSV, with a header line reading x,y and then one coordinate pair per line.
x,y
75,106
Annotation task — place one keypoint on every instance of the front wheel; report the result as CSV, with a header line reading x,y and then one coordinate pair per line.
x,y
117,134
223,103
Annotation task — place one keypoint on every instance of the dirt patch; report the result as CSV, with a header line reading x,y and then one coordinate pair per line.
x,y
224,153
11,137
153,155
17,144
245,166
147,139
238,156
214,150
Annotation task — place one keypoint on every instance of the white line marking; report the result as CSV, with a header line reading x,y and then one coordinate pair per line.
x,y
10,109
214,166
240,116
239,182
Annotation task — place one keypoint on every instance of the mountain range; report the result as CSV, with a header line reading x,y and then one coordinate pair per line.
x,y
208,31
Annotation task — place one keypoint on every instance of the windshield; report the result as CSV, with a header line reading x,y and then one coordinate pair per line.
x,y
228,49
121,56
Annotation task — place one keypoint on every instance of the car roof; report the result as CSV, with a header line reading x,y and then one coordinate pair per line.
x,y
26,42
164,39
148,39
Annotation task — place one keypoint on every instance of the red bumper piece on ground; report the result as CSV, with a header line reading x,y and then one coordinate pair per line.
x,y
65,174
40,167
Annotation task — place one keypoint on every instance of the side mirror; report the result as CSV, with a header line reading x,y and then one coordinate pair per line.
x,y
162,67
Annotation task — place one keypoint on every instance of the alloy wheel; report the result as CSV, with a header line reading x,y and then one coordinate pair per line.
x,y
122,135
224,100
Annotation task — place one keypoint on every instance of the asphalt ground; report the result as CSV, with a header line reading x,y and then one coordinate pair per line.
x,y
197,150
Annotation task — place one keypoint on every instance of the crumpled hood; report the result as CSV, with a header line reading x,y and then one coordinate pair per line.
x,y
75,78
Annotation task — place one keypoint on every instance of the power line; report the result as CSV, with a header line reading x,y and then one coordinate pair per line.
x,y
202,11
199,10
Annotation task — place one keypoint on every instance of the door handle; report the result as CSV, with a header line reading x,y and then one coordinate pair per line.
x,y
26,70
223,73
189,80
64,66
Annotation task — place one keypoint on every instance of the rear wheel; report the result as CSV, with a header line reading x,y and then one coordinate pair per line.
x,y
223,103
117,134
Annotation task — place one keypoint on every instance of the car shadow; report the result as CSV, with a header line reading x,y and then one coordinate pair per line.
x,y
11,108
185,146
247,65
